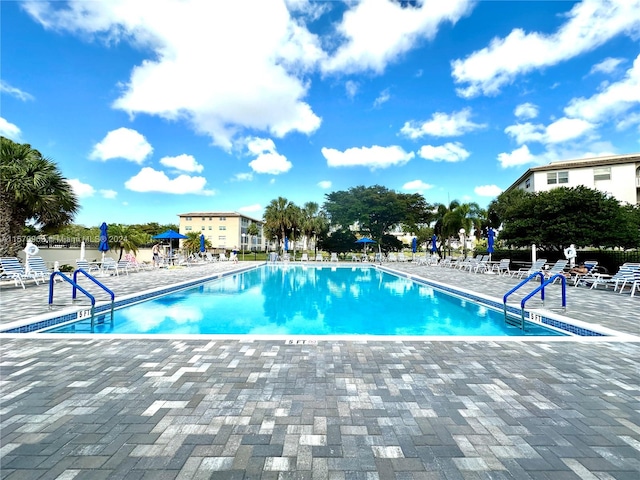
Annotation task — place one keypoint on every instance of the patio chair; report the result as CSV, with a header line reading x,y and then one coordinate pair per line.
x,y
319,258
537,266
304,257
592,272
628,273
502,268
86,266
12,269
39,269
334,257
555,269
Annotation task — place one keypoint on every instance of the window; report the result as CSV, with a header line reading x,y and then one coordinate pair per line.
x,y
209,218
210,227
222,227
602,173
223,219
204,218
222,238
188,219
187,228
203,227
527,184
557,177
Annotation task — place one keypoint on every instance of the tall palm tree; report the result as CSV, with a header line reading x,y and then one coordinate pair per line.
x,y
32,189
278,218
126,237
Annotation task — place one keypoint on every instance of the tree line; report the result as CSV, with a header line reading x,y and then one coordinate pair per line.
x,y
35,198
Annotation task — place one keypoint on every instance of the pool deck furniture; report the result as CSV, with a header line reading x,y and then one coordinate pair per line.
x,y
11,269
189,408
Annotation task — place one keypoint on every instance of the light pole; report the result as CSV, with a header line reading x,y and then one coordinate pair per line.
x,y
244,235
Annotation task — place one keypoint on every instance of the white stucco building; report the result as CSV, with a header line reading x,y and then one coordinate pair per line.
x,y
617,175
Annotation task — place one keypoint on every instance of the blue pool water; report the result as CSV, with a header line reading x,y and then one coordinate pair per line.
x,y
309,300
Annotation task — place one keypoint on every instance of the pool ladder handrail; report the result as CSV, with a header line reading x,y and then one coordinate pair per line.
x,y
74,284
523,282
540,289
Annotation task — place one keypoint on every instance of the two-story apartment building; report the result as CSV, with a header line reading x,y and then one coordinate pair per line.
x,y
617,175
224,230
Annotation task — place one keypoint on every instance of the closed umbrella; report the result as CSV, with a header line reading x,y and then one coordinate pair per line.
x,y
202,244
490,239
103,246
82,250
434,246
286,244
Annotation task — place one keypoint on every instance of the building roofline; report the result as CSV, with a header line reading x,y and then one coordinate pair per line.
x,y
578,163
218,214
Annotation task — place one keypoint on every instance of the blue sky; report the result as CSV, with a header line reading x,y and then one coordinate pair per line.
x,y
153,108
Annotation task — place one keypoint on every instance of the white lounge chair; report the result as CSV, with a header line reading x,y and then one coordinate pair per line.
x,y
556,268
12,269
537,266
304,257
334,257
86,266
39,269
502,268
319,258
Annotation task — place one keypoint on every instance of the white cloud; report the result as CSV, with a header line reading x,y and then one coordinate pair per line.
x,y
417,186
371,157
150,180
82,190
122,143
243,177
615,99
365,47
9,130
442,125
562,130
352,88
110,194
520,156
15,92
256,207
589,24
526,111
608,65
449,152
184,163
487,190
382,98
267,160
223,66
325,184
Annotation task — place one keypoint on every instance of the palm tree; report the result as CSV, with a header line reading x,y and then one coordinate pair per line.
x,y
313,222
278,218
32,189
126,237
192,243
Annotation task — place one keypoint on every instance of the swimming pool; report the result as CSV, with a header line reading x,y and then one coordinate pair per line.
x,y
311,300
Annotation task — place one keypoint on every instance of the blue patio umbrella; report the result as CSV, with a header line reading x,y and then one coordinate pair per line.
x,y
414,245
202,244
490,239
365,241
170,235
103,246
434,246
286,244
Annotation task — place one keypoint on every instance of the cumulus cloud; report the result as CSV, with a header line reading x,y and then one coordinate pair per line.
x,y
519,156
487,190
122,143
449,152
526,111
615,99
562,130
184,163
14,92
325,184
364,48
352,88
371,157
109,194
442,125
589,24
267,160
82,190
251,78
417,186
243,177
256,207
9,130
150,180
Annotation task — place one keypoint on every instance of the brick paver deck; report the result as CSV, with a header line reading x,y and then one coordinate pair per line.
x,y
342,409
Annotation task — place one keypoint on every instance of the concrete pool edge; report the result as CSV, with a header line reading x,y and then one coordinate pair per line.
x,y
25,327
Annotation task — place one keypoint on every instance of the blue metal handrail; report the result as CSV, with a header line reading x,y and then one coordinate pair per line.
x,y
563,282
506,295
75,285
97,282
